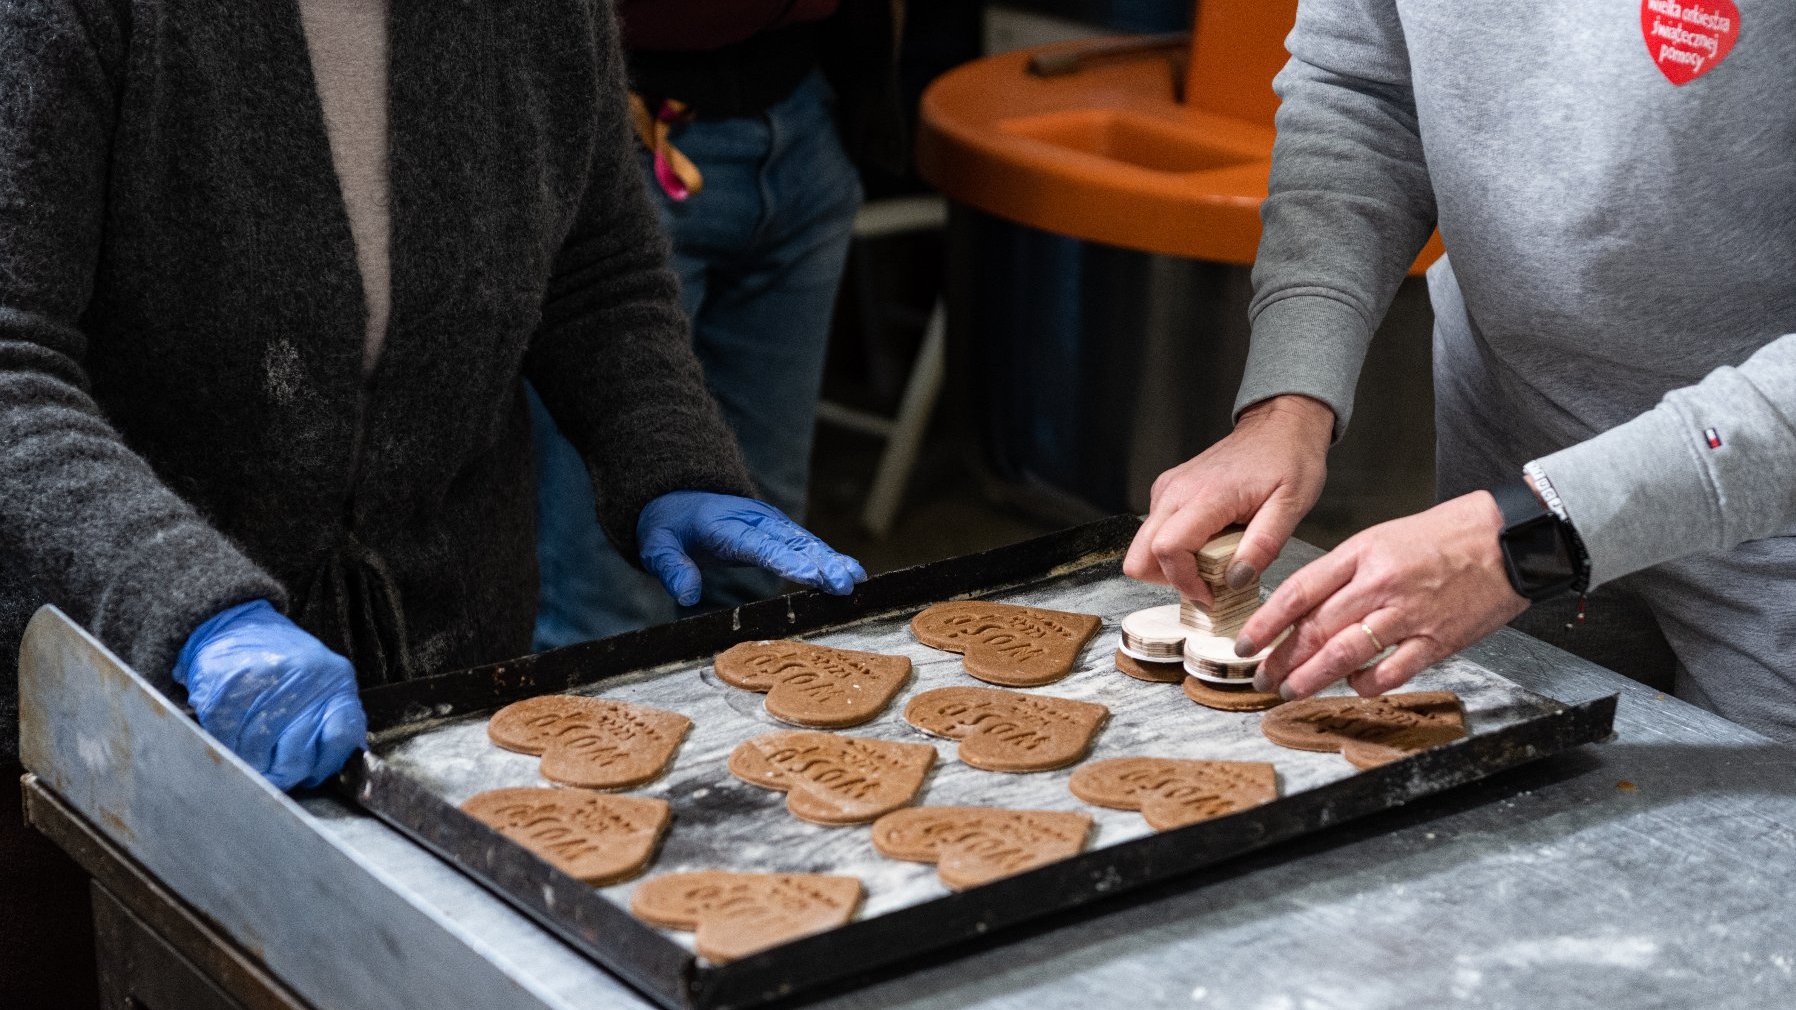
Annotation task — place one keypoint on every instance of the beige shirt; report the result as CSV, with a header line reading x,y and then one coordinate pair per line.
x,y
347,40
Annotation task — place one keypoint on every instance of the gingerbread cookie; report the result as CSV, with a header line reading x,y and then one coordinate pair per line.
x,y
832,779
1172,793
1230,699
1368,731
738,914
973,845
814,685
591,742
595,837
1008,731
1007,645
1153,673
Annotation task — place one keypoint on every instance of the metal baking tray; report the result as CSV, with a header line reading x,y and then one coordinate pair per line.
x,y
429,752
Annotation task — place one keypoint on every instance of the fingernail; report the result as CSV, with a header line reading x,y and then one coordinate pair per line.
x,y
1287,692
1261,682
1245,646
1240,574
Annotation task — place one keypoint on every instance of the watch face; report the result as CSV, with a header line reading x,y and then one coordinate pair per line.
x,y
1538,553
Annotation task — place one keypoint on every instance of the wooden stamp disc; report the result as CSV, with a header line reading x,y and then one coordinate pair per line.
x,y
1368,731
1008,731
593,743
594,837
973,845
1172,793
738,914
815,685
1153,673
1230,699
1007,645
832,779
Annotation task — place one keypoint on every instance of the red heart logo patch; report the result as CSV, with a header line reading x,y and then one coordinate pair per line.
x,y
1688,38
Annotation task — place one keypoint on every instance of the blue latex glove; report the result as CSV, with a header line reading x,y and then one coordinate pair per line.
x,y
273,694
681,528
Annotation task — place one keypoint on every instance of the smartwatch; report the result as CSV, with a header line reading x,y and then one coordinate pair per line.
x,y
1541,552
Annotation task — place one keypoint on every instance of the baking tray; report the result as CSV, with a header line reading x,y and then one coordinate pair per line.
x,y
429,751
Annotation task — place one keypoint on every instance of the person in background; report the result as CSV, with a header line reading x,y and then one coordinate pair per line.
x,y
1614,344
751,115
271,280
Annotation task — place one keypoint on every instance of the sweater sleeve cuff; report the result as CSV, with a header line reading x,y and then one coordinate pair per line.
x,y
1308,344
178,578
1630,511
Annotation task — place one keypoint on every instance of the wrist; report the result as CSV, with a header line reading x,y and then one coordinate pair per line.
x,y
1309,417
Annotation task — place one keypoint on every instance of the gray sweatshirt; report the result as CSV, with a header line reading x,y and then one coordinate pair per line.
x,y
1619,299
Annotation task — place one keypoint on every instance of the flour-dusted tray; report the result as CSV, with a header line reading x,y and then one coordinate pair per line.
x,y
429,752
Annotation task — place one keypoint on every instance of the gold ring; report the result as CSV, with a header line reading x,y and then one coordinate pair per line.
x,y
1377,646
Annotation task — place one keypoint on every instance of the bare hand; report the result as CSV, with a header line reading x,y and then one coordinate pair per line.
x,y
1428,584
1267,473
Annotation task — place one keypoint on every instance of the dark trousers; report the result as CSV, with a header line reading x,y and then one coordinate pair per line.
x,y
46,918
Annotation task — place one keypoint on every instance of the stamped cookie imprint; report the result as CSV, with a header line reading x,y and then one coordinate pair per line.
x,y
1368,731
1007,731
1172,793
832,779
737,914
815,685
591,742
973,845
594,837
1007,645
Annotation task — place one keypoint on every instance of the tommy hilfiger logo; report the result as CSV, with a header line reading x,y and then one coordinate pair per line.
x,y
1713,437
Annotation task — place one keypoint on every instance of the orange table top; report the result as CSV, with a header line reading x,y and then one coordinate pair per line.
x,y
1107,154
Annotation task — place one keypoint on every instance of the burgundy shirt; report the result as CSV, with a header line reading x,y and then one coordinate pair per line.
x,y
699,25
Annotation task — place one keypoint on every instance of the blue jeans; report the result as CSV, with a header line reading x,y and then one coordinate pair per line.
x,y
759,252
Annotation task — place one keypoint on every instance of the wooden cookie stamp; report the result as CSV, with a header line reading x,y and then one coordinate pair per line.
x,y
1368,731
738,914
1008,731
594,837
832,779
1172,793
815,685
973,845
1007,645
591,742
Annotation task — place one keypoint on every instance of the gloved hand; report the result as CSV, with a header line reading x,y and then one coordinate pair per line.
x,y
273,694
682,527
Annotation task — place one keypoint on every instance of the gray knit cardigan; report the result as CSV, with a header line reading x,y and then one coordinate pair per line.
x,y
184,423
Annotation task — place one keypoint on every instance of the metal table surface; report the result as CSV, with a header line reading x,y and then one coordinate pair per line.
x,y
1650,871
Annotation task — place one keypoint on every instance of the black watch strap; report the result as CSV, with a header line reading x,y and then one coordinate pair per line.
x,y
1517,502
1520,506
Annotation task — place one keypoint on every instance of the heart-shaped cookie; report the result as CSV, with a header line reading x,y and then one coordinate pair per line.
x,y
1368,731
815,685
1172,793
595,837
738,914
1004,644
591,742
1153,673
832,779
1008,731
973,845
